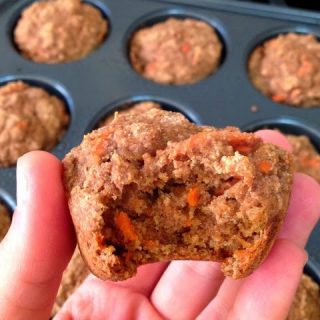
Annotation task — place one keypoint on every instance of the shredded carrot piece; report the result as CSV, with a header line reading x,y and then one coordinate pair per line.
x,y
185,48
278,98
188,222
124,224
310,162
265,166
243,149
305,69
193,197
23,124
151,244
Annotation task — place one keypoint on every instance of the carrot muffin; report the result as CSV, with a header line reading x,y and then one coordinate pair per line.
x,y
287,69
137,108
30,119
153,186
176,51
306,304
5,221
306,156
59,31
72,278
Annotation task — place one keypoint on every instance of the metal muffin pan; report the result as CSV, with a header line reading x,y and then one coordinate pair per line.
x,y
104,81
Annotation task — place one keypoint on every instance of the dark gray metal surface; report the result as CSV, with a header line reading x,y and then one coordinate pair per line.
x,y
104,80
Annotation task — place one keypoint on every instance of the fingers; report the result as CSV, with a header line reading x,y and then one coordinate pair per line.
x,y
268,292
40,240
186,287
146,279
276,138
97,300
304,210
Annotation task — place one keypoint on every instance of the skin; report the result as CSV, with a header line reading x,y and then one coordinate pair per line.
x,y
41,241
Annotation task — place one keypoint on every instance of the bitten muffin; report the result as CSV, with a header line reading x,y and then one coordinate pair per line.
x,y
72,278
59,31
306,304
5,221
137,108
30,119
287,69
306,157
151,187
176,51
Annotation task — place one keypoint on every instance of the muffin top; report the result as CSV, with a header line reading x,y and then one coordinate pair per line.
x,y
59,31
287,69
137,108
176,51
30,119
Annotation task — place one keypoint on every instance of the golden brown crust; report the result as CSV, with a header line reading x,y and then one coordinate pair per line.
x,y
136,108
154,187
59,31
176,51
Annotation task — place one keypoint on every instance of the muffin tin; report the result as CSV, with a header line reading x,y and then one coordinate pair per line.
x,y
102,82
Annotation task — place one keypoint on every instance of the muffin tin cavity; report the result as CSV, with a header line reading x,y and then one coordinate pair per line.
x,y
52,87
90,38
126,104
283,65
312,271
288,125
157,17
35,116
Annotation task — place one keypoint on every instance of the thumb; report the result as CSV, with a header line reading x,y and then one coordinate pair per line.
x,y
39,243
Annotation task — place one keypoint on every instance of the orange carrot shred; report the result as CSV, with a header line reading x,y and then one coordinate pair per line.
x,y
124,224
193,197
185,48
265,166
278,98
243,149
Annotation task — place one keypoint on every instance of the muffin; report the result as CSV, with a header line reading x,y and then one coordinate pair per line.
x,y
306,304
154,187
137,108
30,119
287,69
59,31
176,51
72,278
5,220
306,157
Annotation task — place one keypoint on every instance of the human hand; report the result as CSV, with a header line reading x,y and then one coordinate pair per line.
x,y
42,244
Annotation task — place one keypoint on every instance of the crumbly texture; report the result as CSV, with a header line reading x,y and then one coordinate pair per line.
x,y
137,108
72,278
154,187
5,221
287,69
306,304
59,31
305,155
30,119
176,51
